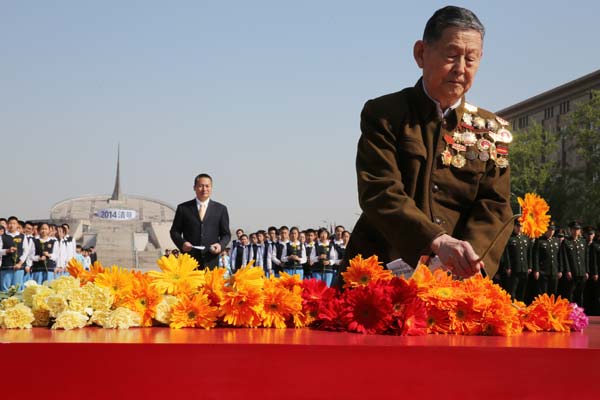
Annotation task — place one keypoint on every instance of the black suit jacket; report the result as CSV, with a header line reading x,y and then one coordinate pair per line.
x,y
187,227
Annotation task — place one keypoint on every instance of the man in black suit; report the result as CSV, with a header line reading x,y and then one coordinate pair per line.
x,y
201,222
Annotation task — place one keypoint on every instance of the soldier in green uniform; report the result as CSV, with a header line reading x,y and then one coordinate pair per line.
x,y
546,262
576,265
518,249
590,296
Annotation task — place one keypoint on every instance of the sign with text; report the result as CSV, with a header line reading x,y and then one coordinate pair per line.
x,y
116,214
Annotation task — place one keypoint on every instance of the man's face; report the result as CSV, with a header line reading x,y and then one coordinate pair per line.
x,y
273,235
28,229
294,235
575,232
450,63
4,224
285,235
203,189
260,238
302,237
239,233
312,237
13,226
338,233
244,240
253,239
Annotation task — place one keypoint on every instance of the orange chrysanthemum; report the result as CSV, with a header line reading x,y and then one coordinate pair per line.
x,y
214,284
438,321
534,218
194,312
76,270
280,304
243,307
118,280
248,277
178,276
362,271
548,314
289,281
143,299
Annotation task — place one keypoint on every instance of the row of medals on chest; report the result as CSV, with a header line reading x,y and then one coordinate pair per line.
x,y
477,138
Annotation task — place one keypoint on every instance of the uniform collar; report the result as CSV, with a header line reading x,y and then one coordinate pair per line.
x,y
431,109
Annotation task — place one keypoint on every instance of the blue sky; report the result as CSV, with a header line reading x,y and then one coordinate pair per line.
x,y
263,95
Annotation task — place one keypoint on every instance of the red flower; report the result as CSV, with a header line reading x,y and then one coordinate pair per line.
x,y
367,309
329,315
412,320
314,294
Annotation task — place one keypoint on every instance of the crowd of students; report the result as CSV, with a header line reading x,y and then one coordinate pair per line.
x,y
309,253
37,251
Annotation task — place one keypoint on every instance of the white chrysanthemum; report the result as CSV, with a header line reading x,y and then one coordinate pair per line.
x,y
123,318
99,317
39,297
64,283
101,297
56,304
19,316
30,282
70,319
9,302
164,309
42,317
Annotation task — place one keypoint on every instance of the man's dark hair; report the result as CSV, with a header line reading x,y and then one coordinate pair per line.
x,y
310,230
284,228
272,228
244,236
261,232
201,176
3,219
29,223
12,217
321,230
66,226
295,228
451,16
239,230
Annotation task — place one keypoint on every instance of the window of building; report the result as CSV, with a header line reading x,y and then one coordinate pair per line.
x,y
523,122
564,107
549,112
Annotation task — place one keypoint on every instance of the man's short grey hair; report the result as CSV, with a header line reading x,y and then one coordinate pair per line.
x,y
451,16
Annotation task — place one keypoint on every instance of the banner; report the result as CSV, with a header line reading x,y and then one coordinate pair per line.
x,y
116,214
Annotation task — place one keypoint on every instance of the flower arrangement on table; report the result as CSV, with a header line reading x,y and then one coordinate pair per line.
x,y
374,301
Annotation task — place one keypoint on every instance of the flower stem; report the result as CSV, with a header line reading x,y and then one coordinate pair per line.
x,y
500,232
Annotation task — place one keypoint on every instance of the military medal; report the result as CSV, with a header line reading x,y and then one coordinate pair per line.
x,y
504,136
502,150
492,151
448,139
501,121
446,157
471,155
469,138
459,147
470,108
458,161
483,144
467,119
502,162
491,125
484,155
479,123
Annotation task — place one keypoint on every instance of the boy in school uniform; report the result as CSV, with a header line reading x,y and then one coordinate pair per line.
x,y
45,256
324,258
260,253
28,231
284,238
240,255
14,252
311,237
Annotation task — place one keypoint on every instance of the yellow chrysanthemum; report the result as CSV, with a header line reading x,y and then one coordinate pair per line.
x,y
178,276
78,299
195,312
56,303
64,283
362,271
38,295
9,302
17,317
279,305
118,280
70,319
534,218
101,298
247,277
243,307
41,317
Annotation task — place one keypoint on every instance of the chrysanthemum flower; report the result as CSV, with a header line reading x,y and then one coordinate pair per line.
x,y
289,281
122,318
70,319
279,305
243,307
314,293
195,312
465,319
178,275
164,309
548,314
534,218
214,284
580,320
118,280
367,309
247,277
438,321
17,317
143,299
64,283
361,272
412,318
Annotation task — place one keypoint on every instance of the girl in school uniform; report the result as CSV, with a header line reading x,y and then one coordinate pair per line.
x,y
324,258
45,257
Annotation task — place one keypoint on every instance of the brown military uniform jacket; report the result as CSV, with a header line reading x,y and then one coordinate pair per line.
x,y
407,194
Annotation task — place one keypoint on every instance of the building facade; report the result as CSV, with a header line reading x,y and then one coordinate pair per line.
x,y
551,110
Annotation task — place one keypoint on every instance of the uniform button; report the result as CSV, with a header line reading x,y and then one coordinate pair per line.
x,y
437,220
435,188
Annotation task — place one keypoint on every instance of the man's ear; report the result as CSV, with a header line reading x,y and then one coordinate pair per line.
x,y
418,50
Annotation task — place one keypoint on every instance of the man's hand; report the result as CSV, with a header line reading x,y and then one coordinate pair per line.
x,y
569,275
457,255
187,246
559,275
595,277
536,275
215,248
508,271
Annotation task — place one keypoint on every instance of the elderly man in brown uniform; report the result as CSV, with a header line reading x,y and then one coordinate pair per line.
x,y
433,176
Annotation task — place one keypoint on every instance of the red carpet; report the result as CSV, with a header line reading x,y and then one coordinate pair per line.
x,y
290,364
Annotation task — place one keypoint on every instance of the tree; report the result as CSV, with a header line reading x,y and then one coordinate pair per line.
x,y
583,131
533,162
